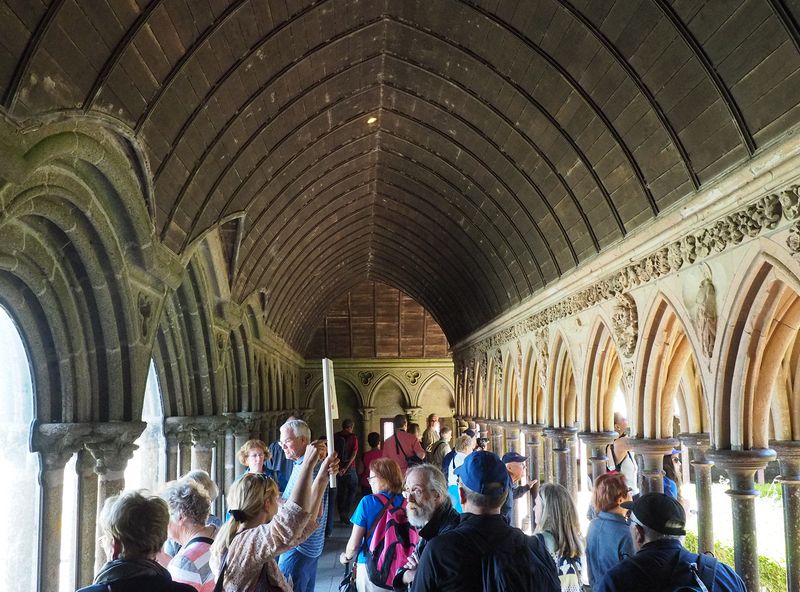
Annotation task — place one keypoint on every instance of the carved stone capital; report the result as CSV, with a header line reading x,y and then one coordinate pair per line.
x,y
367,413
788,452
560,436
57,441
653,447
597,441
415,414
699,444
741,466
112,446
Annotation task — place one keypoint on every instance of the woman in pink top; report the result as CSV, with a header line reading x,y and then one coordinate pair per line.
x,y
259,529
189,506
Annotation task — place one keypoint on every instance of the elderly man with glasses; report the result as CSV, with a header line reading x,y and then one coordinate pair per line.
x,y
429,510
300,563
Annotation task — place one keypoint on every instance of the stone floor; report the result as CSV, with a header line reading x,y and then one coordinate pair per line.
x,y
329,570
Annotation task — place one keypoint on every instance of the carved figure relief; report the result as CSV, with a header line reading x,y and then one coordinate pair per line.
x,y
542,339
705,315
145,304
625,321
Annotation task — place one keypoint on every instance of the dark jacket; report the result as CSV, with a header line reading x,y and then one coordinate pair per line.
x,y
443,519
135,575
663,565
454,560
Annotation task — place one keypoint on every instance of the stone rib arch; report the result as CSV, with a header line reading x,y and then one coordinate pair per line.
x,y
511,395
315,390
602,375
563,396
663,354
78,243
534,404
386,379
434,378
753,350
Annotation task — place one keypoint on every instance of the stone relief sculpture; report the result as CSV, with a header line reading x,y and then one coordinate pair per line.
x,y
765,213
542,339
145,311
625,321
705,315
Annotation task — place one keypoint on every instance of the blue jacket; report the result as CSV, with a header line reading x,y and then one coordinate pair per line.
x,y
607,543
663,565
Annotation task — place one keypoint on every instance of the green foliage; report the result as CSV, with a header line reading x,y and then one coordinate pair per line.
x,y
772,575
775,491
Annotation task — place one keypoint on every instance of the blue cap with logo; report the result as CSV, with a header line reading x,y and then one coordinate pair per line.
x,y
513,457
483,472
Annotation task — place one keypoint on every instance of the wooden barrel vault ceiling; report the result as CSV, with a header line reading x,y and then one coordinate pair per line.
x,y
466,152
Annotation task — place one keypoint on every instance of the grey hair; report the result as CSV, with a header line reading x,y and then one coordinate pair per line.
x,y
188,499
298,427
203,479
488,502
436,481
465,443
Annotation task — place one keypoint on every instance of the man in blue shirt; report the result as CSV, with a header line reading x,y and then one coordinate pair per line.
x,y
300,563
657,523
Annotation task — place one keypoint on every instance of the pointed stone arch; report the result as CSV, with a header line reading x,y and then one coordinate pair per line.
x,y
602,376
757,351
666,361
534,403
388,379
564,396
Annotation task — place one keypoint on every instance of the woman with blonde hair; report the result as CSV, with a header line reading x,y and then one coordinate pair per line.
x,y
253,454
244,551
465,445
557,524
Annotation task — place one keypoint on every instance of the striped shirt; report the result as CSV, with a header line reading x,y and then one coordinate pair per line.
x,y
190,565
312,547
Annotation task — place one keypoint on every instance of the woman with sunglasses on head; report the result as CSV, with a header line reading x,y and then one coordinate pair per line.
x,y
259,529
609,539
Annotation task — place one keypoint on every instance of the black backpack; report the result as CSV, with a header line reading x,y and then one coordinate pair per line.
x,y
518,562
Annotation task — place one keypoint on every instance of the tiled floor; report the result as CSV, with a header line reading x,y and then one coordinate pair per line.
x,y
329,570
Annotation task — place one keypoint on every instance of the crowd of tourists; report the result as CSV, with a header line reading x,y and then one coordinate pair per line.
x,y
425,515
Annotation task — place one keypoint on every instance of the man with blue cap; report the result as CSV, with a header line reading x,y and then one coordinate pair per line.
x,y
484,553
515,466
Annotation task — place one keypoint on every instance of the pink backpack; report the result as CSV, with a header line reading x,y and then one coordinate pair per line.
x,y
393,541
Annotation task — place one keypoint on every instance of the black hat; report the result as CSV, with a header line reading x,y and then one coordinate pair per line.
x,y
660,512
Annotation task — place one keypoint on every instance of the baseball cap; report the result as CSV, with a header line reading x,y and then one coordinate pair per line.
x,y
659,512
470,432
513,457
482,471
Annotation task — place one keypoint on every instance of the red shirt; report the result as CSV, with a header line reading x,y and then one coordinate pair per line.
x,y
408,444
367,460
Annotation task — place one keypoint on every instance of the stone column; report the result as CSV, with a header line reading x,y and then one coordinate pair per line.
x,y
547,459
652,469
184,453
512,431
789,460
698,445
111,445
87,518
204,433
533,444
367,419
230,458
171,438
498,438
561,439
55,443
597,442
483,427
741,466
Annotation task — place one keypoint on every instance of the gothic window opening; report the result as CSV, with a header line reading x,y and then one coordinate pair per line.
x,y
147,468
19,495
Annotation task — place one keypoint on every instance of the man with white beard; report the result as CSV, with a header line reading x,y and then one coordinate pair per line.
x,y
429,510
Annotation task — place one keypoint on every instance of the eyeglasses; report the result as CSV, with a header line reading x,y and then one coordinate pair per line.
x,y
371,477
256,455
417,492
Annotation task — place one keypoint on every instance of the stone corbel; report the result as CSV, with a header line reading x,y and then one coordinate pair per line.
x,y
415,414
